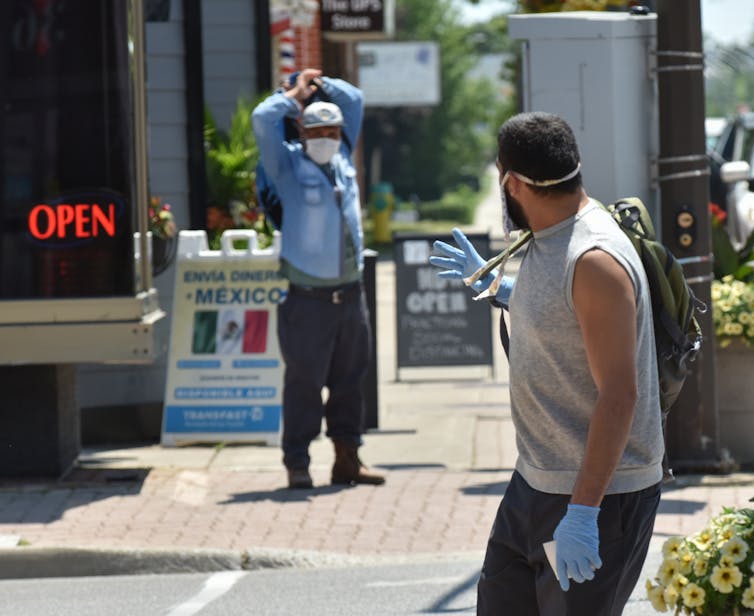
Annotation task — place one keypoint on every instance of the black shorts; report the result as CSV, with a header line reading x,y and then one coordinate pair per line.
x,y
516,578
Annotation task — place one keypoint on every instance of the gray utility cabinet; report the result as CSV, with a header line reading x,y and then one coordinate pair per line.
x,y
596,70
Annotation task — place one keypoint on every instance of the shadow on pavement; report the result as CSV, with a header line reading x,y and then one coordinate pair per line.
x,y
444,603
494,488
680,506
284,495
40,501
408,467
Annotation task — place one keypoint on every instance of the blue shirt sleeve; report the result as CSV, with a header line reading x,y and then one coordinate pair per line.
x,y
351,102
267,122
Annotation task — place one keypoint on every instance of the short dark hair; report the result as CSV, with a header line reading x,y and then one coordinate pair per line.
x,y
540,146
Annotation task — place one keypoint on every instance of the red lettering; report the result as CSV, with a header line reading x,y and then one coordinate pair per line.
x,y
66,214
83,228
82,220
36,212
106,220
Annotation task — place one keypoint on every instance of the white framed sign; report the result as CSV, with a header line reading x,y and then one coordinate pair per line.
x,y
225,371
399,74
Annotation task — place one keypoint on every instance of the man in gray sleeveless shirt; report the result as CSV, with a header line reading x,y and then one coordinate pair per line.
x,y
584,393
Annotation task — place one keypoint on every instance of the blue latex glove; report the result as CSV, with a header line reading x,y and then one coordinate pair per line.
x,y
461,263
577,545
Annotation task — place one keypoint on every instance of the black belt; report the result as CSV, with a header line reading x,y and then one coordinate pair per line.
x,y
334,295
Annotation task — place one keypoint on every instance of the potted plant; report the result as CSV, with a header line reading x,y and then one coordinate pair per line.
x,y
231,160
710,572
732,295
163,229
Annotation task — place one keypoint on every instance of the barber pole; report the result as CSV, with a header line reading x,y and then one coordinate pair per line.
x,y
287,53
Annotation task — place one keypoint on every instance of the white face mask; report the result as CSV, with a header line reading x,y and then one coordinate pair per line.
x,y
508,225
321,150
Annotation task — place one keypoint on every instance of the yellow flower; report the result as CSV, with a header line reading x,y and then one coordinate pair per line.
x,y
693,595
723,579
686,560
726,533
671,547
747,600
700,567
668,570
679,581
656,597
726,561
736,548
703,539
670,595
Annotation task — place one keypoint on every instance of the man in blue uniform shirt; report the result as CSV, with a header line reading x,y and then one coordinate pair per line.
x,y
323,325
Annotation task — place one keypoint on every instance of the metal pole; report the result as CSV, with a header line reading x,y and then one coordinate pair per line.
x,y
141,169
683,177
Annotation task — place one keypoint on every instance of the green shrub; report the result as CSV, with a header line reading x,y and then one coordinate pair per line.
x,y
457,206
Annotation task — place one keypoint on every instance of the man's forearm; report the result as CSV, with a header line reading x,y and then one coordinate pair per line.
x,y
606,441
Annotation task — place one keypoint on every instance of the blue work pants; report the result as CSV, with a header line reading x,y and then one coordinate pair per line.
x,y
324,340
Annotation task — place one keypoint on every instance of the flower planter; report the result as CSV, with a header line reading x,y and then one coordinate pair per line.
x,y
735,400
163,253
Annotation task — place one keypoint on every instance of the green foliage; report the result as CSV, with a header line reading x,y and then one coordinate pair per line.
x,y
729,261
231,157
230,160
433,150
457,205
729,80
491,36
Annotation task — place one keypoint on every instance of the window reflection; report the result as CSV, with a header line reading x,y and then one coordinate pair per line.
x,y
66,154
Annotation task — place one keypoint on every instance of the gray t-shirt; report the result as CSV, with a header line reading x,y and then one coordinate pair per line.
x,y
552,390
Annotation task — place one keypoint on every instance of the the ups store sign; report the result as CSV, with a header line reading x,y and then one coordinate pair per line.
x,y
356,19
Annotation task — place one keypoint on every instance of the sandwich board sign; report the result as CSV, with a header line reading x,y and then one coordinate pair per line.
x,y
225,372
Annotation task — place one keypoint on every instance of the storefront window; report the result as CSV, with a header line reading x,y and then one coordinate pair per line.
x,y
66,150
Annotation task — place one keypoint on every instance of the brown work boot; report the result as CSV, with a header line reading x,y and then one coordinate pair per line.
x,y
348,468
299,479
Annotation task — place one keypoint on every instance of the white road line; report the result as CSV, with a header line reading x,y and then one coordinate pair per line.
x,y
215,586
439,581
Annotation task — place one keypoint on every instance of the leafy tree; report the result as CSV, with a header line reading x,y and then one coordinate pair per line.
x,y
729,78
429,151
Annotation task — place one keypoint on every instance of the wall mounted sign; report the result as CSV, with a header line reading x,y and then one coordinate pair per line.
x,y
357,19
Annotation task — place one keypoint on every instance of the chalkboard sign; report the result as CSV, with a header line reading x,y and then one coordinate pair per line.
x,y
437,321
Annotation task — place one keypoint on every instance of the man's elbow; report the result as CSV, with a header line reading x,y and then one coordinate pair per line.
x,y
622,399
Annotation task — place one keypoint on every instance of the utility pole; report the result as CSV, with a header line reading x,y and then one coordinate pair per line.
x,y
683,176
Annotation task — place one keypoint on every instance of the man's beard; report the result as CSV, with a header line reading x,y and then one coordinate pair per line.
x,y
515,211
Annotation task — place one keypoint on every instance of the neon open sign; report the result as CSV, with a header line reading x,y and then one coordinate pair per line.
x,y
74,220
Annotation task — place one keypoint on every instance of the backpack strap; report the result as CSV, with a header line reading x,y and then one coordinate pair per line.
x,y
505,339
499,261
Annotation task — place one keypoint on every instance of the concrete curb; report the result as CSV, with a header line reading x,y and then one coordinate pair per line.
x,y
44,562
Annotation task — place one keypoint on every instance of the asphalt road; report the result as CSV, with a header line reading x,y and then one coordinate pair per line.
x,y
421,588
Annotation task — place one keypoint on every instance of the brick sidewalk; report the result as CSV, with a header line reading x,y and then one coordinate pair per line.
x,y
417,511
